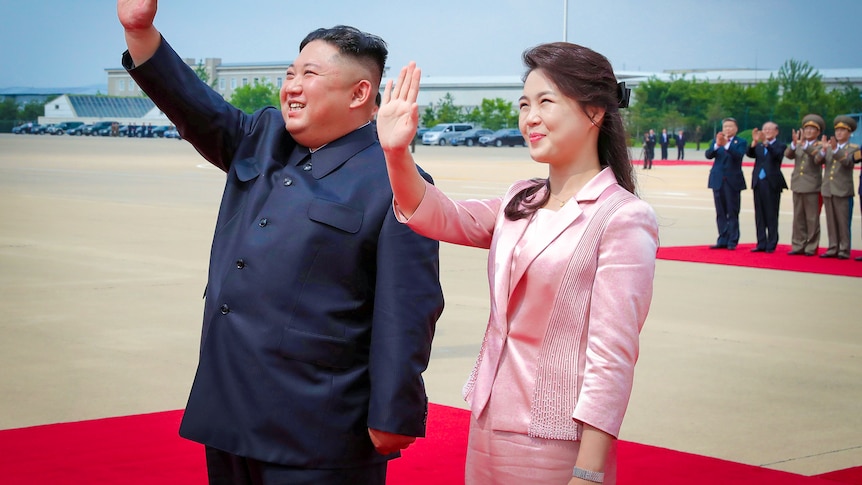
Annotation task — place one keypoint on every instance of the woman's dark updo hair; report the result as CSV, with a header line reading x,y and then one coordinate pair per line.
x,y
587,77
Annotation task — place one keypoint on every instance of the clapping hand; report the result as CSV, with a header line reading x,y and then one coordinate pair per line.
x,y
757,136
398,116
834,143
720,139
797,136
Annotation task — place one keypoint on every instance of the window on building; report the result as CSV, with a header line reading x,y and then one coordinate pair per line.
x,y
132,85
121,84
245,81
233,83
278,82
221,84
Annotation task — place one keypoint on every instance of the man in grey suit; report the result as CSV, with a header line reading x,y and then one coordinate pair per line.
x,y
320,306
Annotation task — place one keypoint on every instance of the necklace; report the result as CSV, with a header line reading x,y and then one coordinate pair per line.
x,y
561,201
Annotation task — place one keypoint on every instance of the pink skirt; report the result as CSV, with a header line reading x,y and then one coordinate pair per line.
x,y
506,458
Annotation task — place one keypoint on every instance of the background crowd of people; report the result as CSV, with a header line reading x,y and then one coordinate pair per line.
x,y
822,180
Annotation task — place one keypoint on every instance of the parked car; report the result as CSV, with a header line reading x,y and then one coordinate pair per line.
x,y
96,128
159,131
78,130
23,128
507,136
64,127
469,137
172,133
440,134
37,129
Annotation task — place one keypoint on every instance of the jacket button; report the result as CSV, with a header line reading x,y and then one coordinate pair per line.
x,y
306,167
288,181
240,264
224,309
263,222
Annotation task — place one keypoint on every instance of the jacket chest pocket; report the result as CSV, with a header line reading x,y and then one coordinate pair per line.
x,y
339,216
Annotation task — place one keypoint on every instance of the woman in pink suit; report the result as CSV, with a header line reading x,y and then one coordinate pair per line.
x,y
570,267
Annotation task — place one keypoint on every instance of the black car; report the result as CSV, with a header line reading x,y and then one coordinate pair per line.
x,y
98,127
507,136
64,127
23,128
469,137
78,130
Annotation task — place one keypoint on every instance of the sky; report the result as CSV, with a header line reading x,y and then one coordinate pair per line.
x,y
70,43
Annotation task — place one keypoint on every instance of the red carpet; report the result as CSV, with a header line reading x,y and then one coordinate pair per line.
x,y
145,449
779,260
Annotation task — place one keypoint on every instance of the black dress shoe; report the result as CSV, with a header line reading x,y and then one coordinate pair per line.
x,y
718,246
758,250
794,253
810,254
770,251
731,248
858,258
841,256
828,255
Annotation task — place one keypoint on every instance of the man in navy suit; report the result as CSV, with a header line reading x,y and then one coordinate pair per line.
x,y
664,141
767,182
649,149
727,182
320,306
680,144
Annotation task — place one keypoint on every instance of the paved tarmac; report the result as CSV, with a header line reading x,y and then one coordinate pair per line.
x,y
103,257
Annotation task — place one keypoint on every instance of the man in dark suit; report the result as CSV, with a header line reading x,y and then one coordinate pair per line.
x,y
649,149
320,306
767,182
664,141
727,182
680,145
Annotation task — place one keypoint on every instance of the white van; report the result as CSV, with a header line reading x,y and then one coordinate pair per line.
x,y
440,134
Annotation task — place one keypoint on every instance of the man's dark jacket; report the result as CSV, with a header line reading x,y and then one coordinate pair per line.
x,y
320,307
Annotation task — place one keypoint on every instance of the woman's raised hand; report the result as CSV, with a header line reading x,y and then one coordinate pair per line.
x,y
398,115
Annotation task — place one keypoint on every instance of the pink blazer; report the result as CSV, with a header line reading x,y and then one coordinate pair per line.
x,y
565,317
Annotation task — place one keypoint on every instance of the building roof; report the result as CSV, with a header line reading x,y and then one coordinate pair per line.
x,y
109,106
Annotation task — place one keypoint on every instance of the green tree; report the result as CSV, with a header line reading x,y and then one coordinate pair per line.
x,y
494,114
802,92
446,110
429,117
31,111
845,101
252,97
8,115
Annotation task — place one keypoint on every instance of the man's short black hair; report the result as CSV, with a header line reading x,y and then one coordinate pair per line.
x,y
366,48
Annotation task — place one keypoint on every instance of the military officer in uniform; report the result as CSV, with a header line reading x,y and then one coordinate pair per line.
x,y
837,187
805,184
857,158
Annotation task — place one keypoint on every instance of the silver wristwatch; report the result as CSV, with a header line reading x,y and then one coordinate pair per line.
x,y
588,475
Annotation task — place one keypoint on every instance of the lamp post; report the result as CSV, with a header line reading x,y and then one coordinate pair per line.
x,y
565,20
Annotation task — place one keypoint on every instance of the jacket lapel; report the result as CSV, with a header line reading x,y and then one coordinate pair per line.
x,y
565,218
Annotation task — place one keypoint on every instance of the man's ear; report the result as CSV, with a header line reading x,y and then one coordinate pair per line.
x,y
362,94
